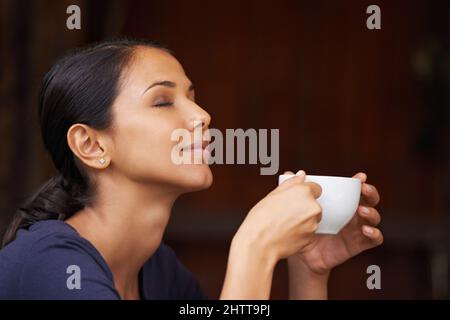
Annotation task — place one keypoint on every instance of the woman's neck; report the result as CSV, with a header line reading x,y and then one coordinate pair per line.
x,y
126,224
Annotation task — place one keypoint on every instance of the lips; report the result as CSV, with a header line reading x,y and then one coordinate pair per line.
x,y
197,145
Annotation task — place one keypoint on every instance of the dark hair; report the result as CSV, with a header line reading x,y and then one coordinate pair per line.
x,y
79,88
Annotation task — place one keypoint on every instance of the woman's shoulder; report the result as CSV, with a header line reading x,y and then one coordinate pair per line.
x,y
44,236
51,260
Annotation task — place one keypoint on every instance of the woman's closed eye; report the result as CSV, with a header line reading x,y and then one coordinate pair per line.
x,y
163,101
163,104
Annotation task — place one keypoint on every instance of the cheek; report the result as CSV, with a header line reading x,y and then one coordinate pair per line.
x,y
143,149
143,146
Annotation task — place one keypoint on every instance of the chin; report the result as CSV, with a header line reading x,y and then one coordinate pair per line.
x,y
197,177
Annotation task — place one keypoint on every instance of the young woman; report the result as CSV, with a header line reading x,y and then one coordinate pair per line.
x,y
95,230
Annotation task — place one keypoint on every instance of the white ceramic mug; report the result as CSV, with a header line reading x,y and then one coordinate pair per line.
x,y
339,200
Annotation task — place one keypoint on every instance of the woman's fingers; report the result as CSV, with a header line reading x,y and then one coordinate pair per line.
x,y
361,175
316,189
299,178
370,196
369,214
373,234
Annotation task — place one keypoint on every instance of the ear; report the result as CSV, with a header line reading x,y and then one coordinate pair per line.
x,y
88,145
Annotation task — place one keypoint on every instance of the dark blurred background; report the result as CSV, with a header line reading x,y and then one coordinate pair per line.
x,y
345,99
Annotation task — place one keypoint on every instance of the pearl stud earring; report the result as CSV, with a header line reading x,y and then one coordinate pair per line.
x,y
102,161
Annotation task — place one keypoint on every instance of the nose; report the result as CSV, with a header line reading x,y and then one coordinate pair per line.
x,y
199,118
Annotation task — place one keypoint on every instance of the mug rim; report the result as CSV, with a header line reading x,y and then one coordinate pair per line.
x,y
321,176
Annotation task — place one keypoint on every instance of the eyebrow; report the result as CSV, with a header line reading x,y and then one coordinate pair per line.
x,y
166,83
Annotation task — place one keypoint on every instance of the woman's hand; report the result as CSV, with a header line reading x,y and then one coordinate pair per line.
x,y
325,252
284,221
277,227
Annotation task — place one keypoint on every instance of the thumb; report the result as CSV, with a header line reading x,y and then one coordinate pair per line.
x,y
299,177
315,188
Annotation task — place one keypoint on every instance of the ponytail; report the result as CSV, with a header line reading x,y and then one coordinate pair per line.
x,y
55,199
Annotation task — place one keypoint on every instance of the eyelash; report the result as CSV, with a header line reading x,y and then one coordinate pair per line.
x,y
168,104
164,104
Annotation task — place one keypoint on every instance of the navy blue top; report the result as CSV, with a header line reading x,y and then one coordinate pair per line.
x,y
51,260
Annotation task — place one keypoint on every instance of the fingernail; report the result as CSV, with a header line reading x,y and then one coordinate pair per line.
x,y
368,188
365,210
368,230
300,172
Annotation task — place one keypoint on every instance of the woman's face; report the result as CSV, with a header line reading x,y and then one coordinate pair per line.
x,y
155,99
